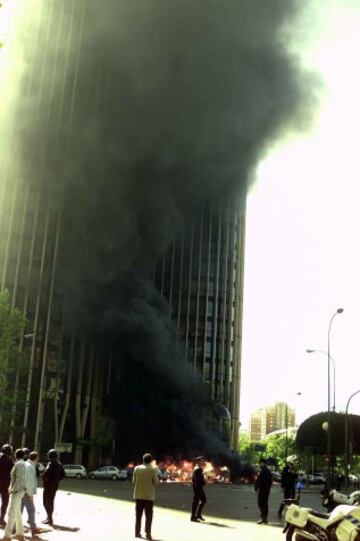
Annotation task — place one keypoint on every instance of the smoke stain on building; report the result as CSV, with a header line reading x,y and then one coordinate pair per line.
x,y
127,149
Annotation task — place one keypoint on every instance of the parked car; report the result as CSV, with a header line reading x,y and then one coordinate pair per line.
x,y
317,478
109,472
75,470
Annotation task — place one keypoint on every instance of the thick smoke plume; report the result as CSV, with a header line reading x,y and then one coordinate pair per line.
x,y
135,115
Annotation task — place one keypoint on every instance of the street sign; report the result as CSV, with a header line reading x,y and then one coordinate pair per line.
x,y
62,447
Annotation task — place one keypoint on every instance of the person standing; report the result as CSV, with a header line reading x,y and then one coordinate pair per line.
x,y
199,497
53,474
262,487
288,483
6,465
31,488
145,479
27,501
16,491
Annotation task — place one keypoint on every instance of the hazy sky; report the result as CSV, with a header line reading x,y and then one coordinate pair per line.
x,y
303,226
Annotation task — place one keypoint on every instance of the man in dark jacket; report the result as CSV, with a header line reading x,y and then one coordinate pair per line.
x,y
53,474
288,482
198,483
6,465
262,487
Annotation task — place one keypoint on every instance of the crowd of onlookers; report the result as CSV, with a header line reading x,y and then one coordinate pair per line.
x,y
19,474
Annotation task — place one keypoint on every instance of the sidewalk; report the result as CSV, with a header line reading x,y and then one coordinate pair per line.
x,y
81,517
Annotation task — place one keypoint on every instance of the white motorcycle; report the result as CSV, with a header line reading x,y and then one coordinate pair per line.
x,y
303,524
332,498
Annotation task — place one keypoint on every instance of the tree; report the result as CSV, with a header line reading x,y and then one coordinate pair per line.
x,y
245,447
274,447
279,449
12,361
250,452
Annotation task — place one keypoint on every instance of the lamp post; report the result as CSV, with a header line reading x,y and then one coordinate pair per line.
x,y
334,373
328,445
347,439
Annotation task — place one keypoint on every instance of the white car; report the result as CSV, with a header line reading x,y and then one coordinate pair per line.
x,y
75,470
109,472
317,478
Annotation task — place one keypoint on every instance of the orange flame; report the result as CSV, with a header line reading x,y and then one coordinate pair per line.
x,y
181,471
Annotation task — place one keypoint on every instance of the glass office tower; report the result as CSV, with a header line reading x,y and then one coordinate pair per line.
x,y
201,275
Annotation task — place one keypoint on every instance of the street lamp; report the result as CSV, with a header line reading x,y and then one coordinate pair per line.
x,y
328,446
333,362
347,439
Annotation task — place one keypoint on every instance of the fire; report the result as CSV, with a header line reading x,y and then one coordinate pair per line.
x,y
181,471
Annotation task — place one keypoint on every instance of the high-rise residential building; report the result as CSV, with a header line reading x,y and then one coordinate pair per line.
x,y
264,421
255,428
202,278
285,416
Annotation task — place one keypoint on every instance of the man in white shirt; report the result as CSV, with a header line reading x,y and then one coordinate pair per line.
x,y
31,488
145,478
16,491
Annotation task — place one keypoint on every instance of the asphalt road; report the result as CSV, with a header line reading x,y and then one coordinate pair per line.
x,y
228,501
104,510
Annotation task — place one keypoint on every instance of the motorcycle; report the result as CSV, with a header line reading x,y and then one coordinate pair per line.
x,y
286,502
303,524
332,498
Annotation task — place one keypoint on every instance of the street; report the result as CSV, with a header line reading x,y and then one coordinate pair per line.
x,y
104,510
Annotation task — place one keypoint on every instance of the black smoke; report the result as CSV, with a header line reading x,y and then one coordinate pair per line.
x,y
135,115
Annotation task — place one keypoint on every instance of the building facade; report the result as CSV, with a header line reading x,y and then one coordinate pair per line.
x,y
255,428
201,276
265,421
61,390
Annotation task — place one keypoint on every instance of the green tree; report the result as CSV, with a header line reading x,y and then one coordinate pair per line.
x,y
278,448
12,361
250,452
245,446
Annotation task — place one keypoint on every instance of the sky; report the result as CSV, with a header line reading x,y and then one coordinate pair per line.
x,y
302,258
